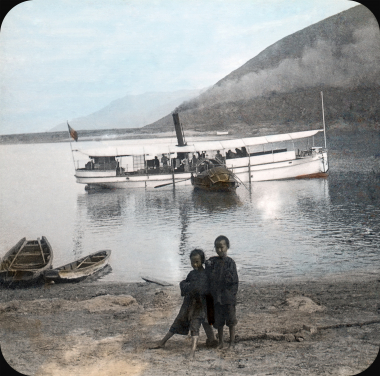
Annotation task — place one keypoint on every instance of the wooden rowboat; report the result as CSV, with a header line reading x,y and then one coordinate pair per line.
x,y
80,269
212,176
26,261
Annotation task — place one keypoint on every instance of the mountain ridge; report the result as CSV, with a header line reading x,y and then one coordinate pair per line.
x,y
131,111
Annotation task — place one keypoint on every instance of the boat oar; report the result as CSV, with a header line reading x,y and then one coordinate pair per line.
x,y
42,251
178,181
235,176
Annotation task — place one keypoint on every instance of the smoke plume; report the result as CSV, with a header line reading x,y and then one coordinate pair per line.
x,y
325,64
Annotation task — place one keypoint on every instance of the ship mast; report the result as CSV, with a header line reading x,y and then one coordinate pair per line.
x,y
323,117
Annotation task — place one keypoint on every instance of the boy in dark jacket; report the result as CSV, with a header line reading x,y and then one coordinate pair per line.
x,y
193,311
223,284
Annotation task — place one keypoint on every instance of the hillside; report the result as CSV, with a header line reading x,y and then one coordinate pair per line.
x,y
279,89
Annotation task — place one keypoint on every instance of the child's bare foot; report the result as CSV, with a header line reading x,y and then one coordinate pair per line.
x,y
231,346
159,345
191,355
220,345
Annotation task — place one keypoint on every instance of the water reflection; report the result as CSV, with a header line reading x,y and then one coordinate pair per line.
x,y
100,274
184,218
162,226
352,224
277,228
214,202
98,214
273,200
103,205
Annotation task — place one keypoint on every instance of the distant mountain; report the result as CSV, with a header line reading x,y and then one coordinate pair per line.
x,y
132,111
279,89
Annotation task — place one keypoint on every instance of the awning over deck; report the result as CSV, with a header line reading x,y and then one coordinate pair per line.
x,y
191,147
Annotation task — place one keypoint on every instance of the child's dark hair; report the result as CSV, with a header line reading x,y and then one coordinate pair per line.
x,y
220,238
199,252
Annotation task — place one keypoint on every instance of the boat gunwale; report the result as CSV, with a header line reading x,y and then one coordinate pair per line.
x,y
76,262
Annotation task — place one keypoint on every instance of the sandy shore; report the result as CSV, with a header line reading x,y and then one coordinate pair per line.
x,y
326,327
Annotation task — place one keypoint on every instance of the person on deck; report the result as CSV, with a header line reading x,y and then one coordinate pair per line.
x,y
230,154
219,157
186,166
164,160
194,161
239,153
156,163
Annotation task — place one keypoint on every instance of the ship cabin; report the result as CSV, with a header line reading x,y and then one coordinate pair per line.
x,y
162,158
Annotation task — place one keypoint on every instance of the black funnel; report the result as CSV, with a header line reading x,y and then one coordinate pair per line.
x,y
178,130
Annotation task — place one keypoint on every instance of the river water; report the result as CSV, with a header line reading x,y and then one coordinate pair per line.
x,y
278,230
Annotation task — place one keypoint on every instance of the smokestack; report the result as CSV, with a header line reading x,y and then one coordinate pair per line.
x,y
178,130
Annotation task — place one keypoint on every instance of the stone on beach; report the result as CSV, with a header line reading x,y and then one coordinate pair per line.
x,y
304,304
161,298
310,328
97,304
289,337
275,336
109,303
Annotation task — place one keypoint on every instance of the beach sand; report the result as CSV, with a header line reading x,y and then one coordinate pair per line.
x,y
329,326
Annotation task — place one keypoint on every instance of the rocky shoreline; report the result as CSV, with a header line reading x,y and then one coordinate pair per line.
x,y
329,326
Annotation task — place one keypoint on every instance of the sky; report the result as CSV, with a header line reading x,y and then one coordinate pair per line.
x,y
64,59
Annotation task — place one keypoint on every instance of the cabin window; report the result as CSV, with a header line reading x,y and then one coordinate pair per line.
x,y
138,162
279,147
104,163
89,165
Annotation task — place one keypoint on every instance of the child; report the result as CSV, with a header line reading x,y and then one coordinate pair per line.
x,y
223,283
193,310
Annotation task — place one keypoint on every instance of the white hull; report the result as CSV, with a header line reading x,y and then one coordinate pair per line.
x,y
262,168
138,181
311,166
83,273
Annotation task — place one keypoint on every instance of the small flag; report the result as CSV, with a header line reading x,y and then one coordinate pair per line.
x,y
73,133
